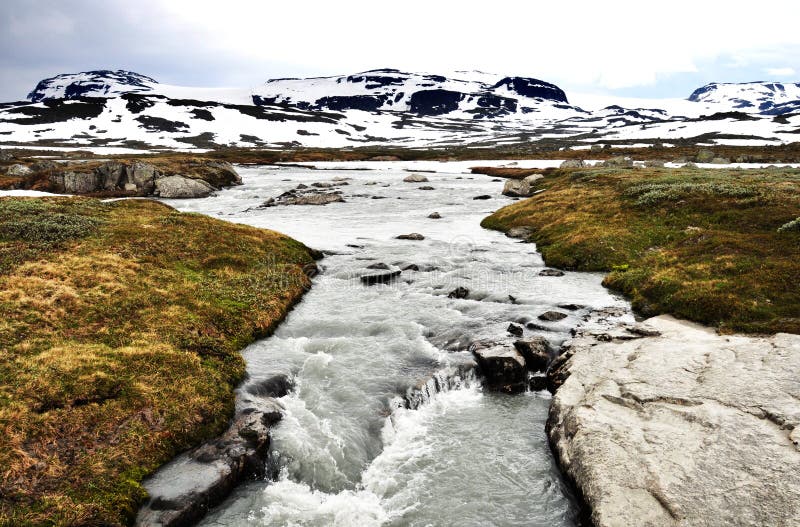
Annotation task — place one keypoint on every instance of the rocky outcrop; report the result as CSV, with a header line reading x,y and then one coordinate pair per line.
x,y
572,163
618,162
18,170
137,178
182,492
681,428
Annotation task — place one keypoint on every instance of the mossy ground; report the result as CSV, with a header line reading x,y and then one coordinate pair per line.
x,y
119,337
705,245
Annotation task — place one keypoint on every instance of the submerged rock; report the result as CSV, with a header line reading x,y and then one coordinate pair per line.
x,y
686,428
551,272
380,278
413,236
483,196
459,292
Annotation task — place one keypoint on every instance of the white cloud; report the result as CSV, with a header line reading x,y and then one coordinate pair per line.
x,y
608,44
586,45
780,72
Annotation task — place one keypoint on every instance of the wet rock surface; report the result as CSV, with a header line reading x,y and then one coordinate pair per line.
x,y
415,236
682,427
380,278
502,366
183,491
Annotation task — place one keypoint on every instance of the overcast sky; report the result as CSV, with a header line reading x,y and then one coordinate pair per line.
x,y
636,48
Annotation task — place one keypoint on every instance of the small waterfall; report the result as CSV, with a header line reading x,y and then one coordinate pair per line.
x,y
444,380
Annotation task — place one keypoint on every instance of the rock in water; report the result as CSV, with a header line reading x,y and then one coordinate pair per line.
x,y
275,386
687,429
515,330
501,365
459,292
182,187
434,216
182,491
378,265
413,236
415,178
551,272
483,196
380,278
552,316
536,351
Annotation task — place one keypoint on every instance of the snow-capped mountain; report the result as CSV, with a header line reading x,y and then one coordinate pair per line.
x,y
101,83
101,109
418,94
769,98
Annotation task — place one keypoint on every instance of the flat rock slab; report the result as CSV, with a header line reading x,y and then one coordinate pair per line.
x,y
688,428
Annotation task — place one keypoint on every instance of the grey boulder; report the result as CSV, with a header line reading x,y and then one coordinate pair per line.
x,y
180,187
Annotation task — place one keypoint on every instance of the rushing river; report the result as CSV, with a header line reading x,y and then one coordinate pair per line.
x,y
346,455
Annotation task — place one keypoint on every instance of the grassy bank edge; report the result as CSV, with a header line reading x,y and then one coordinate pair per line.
x,y
121,335
723,260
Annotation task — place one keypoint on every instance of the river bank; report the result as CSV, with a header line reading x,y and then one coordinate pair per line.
x,y
720,247
121,330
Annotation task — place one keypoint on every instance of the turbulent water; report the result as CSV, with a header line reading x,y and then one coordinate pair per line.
x,y
347,453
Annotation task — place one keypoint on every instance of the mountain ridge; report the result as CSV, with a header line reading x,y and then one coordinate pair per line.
x,y
386,106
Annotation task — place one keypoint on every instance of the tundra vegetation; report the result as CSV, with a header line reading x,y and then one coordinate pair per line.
x,y
120,335
720,246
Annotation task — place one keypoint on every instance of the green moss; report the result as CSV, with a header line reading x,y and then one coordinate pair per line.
x,y
708,245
